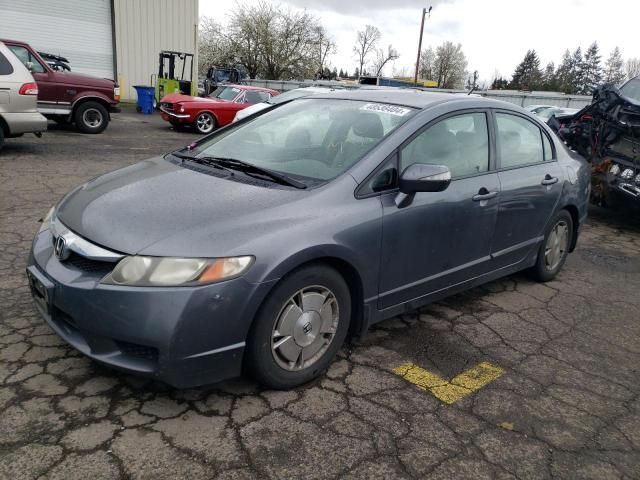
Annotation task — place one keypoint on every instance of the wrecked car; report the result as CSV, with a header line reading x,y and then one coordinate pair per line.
x,y
607,133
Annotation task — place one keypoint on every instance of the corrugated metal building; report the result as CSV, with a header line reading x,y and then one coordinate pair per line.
x,y
107,38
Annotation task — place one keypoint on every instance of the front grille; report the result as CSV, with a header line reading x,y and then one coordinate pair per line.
x,y
167,106
139,351
90,266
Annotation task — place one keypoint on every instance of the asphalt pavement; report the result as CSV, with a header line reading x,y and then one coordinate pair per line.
x,y
514,379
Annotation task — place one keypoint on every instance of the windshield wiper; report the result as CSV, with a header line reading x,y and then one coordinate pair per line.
x,y
204,161
247,168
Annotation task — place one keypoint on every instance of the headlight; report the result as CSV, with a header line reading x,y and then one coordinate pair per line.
x,y
615,169
638,179
627,174
46,221
171,271
181,108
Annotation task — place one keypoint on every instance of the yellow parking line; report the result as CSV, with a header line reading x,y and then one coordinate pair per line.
x,y
450,391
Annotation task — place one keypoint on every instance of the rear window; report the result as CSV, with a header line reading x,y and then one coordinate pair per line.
x,y
5,67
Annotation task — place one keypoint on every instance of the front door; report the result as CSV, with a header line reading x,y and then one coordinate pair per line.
x,y
531,183
444,238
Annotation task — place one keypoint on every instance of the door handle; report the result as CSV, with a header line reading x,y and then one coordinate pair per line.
x,y
549,180
479,197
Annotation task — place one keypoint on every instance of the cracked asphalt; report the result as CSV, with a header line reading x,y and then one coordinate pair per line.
x,y
567,406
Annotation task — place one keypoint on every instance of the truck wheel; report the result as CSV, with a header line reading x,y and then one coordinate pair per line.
x,y
91,117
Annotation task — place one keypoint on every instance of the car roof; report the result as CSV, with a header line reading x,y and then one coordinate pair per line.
x,y
407,97
17,42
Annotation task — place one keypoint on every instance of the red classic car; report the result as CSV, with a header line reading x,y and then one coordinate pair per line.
x,y
217,110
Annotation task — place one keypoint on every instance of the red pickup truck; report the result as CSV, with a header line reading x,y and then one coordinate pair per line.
x,y
68,96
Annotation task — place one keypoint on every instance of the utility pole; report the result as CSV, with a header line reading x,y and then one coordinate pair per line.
x,y
424,13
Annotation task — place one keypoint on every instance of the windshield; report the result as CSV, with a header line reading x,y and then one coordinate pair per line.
x,y
316,139
631,89
291,95
225,93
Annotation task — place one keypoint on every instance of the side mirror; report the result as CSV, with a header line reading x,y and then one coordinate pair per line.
x,y
422,177
29,66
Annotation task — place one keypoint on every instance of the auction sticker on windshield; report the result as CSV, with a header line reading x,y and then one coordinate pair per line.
x,y
390,109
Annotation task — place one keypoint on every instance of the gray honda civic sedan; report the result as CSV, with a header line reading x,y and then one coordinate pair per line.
x,y
261,247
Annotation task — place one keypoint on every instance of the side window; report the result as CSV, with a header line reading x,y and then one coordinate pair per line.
x,y
386,178
26,58
253,96
460,143
548,151
5,67
519,141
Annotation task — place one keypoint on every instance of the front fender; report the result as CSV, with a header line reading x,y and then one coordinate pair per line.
x,y
86,95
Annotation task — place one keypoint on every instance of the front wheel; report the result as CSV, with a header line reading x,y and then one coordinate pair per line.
x,y
91,117
555,248
300,328
205,123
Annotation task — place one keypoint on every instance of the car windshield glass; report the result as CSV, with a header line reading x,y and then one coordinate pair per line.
x,y
225,93
290,95
316,139
631,89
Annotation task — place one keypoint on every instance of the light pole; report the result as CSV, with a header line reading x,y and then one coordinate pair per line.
x,y
424,13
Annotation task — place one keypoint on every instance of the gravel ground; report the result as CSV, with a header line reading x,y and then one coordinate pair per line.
x,y
567,405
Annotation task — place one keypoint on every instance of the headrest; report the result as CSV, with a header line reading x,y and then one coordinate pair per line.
x,y
368,125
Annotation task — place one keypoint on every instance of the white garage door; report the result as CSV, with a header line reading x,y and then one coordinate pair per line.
x,y
79,30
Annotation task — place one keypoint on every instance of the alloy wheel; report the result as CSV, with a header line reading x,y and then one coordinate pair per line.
x,y
304,328
556,246
204,123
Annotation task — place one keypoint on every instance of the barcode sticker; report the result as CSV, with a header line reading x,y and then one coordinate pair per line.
x,y
384,108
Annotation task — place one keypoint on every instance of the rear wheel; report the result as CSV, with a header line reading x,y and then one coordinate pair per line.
x,y
91,117
205,123
555,248
1,137
300,328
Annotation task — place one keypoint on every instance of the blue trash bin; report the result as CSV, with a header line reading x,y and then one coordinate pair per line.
x,y
146,95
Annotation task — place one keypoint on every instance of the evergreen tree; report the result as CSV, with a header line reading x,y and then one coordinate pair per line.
x,y
591,70
614,67
576,74
500,83
549,79
528,75
357,73
334,73
341,74
563,73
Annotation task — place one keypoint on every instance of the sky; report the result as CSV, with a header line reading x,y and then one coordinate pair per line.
x,y
495,34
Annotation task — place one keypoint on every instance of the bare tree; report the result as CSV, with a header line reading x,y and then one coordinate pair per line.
x,y
366,42
213,46
633,67
427,61
382,58
244,36
450,65
326,46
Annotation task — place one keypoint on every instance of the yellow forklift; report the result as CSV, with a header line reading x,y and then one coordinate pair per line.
x,y
175,75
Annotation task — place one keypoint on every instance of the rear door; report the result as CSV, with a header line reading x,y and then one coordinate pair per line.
x,y
441,238
530,182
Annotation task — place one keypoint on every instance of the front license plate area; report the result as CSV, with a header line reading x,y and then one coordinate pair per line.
x,y
39,292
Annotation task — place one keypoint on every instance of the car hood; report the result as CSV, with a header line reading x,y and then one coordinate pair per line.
x,y
180,98
156,207
73,78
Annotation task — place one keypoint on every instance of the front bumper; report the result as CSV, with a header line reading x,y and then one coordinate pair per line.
x,y
25,122
170,116
184,336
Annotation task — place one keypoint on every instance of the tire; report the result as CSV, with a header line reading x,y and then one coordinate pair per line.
x,y
91,117
205,123
289,322
552,255
1,137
